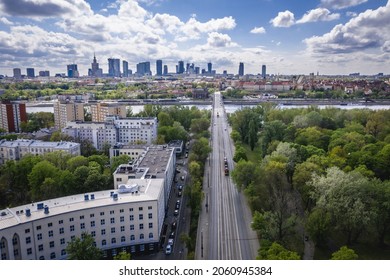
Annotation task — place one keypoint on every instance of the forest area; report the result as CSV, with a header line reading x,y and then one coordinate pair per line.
x,y
318,175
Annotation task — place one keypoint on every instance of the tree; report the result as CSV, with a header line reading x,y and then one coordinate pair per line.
x,y
344,253
275,251
252,134
75,162
244,174
239,154
318,225
123,256
83,248
40,172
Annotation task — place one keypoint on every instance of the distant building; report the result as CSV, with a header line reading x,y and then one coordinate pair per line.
x,y
241,69
66,111
143,69
45,73
114,67
17,73
159,68
95,71
17,149
125,66
30,73
12,115
72,71
100,111
263,71
165,69
200,93
180,67
209,68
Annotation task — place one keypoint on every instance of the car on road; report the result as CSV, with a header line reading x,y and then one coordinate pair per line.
x,y
170,241
176,212
168,250
179,193
173,225
177,206
182,178
172,234
180,187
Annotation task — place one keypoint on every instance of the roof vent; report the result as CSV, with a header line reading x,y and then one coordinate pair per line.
x,y
28,212
46,209
86,197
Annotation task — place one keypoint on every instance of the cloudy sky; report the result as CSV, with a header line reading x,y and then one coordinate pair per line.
x,y
289,36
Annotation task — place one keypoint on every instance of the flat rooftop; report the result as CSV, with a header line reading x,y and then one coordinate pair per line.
x,y
141,190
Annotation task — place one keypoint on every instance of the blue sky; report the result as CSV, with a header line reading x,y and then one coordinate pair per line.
x,y
289,36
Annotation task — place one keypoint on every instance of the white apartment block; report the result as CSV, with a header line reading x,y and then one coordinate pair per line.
x,y
114,130
155,162
66,111
15,150
100,111
127,219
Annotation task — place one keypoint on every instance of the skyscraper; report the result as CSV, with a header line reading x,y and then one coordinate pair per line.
x,y
125,66
165,69
180,67
209,67
263,71
17,73
30,72
241,69
159,67
72,71
12,115
95,71
143,68
114,67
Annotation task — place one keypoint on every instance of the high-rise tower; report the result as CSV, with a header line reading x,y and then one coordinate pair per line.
x,y
241,69
114,67
159,67
263,71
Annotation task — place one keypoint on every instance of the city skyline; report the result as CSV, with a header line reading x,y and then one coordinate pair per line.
x,y
326,36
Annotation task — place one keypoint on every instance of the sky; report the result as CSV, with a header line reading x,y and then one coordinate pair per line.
x,y
289,36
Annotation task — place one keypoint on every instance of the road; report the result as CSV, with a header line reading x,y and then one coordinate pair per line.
x,y
225,226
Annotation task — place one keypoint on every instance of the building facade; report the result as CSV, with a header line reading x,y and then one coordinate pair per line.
x,y
30,72
143,69
100,111
241,69
12,115
114,67
159,67
125,66
15,150
72,71
127,219
67,111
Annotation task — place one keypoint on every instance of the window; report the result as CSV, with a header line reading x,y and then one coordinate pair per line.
x,y
122,228
141,236
112,220
72,237
140,208
131,227
112,230
150,216
113,240
82,226
131,217
29,251
122,219
151,235
50,224
16,252
62,241
150,207
72,228
39,227
132,237
93,233
50,233
103,232
60,222
141,226
52,255
104,242
112,212
91,215
150,225
101,213
123,239
82,217
27,230
62,230
121,210
40,247
102,221
131,209
71,219
141,216
28,240
63,252
39,236
51,244
92,223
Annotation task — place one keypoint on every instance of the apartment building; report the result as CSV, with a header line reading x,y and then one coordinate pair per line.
x,y
67,111
129,219
100,111
12,114
17,149
114,130
155,162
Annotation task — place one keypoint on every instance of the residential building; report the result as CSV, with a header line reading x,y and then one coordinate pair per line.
x,y
114,67
30,73
159,68
12,115
241,69
17,73
180,67
155,162
67,111
45,73
114,130
165,69
209,67
100,111
127,219
125,66
143,69
17,149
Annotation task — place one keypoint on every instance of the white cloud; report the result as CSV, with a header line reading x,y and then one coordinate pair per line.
x,y
219,40
5,21
319,14
386,47
258,30
283,19
351,14
341,4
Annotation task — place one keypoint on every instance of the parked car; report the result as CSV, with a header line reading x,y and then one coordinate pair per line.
x,y
182,178
168,250
170,241
179,193
173,226
180,187
176,213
